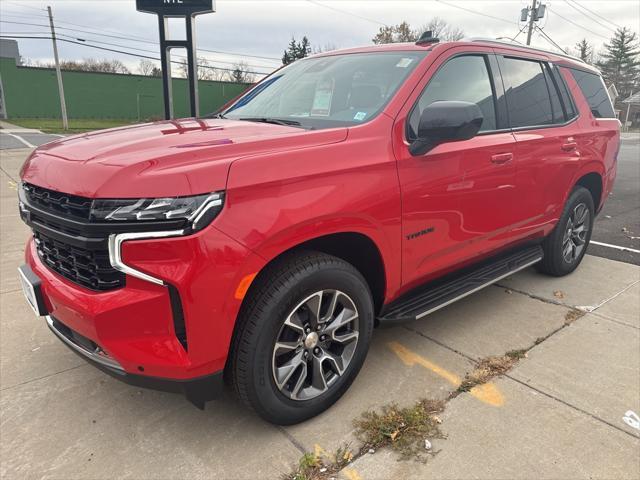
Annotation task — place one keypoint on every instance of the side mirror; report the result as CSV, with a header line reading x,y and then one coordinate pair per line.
x,y
448,121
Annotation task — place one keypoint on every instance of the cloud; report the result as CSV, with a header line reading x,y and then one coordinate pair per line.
x,y
261,27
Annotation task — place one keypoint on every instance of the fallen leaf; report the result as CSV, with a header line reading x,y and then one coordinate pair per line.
x,y
394,435
558,294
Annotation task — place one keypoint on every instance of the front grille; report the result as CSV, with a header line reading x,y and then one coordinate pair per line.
x,y
89,268
58,203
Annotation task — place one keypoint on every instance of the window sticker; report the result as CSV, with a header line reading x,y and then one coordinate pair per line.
x,y
323,97
360,116
404,62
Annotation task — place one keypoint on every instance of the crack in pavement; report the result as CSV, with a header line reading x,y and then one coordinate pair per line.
x,y
577,409
538,342
7,174
27,382
294,441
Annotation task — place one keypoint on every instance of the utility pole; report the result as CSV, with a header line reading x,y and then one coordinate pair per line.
x,y
63,103
532,20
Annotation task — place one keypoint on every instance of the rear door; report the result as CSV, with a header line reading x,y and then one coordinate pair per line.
x,y
458,198
542,117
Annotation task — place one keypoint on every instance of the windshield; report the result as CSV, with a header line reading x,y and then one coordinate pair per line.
x,y
323,92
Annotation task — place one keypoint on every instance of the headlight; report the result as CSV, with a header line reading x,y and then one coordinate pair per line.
x,y
199,210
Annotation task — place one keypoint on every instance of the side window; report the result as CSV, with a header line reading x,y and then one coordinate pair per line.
x,y
595,92
465,79
528,98
565,96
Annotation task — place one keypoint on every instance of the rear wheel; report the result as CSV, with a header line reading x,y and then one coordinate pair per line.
x,y
565,247
302,337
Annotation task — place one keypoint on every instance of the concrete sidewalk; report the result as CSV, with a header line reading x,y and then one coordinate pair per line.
x,y
564,405
560,414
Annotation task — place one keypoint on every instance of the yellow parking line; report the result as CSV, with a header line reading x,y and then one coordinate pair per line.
x,y
351,474
487,393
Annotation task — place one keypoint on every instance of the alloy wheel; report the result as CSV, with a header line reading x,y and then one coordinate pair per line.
x,y
576,231
315,344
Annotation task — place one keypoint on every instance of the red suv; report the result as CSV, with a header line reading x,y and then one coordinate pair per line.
x,y
349,189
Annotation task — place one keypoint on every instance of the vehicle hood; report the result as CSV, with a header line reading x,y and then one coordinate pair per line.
x,y
171,158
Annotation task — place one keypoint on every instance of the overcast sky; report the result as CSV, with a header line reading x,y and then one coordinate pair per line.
x,y
262,28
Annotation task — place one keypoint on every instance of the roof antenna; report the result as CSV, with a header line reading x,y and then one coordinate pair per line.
x,y
426,38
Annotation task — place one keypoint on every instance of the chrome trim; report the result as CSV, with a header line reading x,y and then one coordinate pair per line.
x,y
95,356
209,203
212,200
434,309
115,251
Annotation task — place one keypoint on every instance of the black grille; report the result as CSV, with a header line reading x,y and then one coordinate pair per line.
x,y
58,203
89,268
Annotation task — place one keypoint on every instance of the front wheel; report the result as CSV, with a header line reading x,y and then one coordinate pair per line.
x,y
565,247
302,337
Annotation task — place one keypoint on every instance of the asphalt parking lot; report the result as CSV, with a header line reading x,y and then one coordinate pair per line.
x,y
558,414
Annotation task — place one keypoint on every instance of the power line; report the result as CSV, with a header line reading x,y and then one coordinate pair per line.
x,y
550,40
21,5
121,37
474,12
589,17
598,15
347,13
124,53
577,24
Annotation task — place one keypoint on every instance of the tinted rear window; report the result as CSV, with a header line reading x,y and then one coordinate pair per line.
x,y
594,91
527,93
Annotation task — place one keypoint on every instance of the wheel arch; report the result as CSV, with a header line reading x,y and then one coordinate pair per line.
x,y
353,247
593,182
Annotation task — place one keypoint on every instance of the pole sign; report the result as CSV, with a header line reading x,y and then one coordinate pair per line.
x,y
187,9
175,8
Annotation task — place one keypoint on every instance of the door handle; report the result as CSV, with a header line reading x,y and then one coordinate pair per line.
x,y
569,146
501,158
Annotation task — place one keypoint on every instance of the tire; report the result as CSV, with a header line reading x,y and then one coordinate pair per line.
x,y
286,299
567,244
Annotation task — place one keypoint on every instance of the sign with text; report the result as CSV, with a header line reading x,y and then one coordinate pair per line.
x,y
175,8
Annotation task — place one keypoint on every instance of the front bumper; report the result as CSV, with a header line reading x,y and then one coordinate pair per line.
x,y
196,390
134,326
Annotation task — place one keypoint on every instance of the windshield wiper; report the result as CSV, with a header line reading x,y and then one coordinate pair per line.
x,y
275,121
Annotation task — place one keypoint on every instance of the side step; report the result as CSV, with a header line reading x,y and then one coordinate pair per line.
x,y
436,295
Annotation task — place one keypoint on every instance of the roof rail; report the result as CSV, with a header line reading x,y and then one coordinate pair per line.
x,y
527,47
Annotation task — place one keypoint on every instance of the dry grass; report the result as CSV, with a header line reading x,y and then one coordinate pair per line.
x,y
491,367
572,315
403,429
314,467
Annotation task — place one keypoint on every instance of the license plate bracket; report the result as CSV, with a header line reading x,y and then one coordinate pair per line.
x,y
32,289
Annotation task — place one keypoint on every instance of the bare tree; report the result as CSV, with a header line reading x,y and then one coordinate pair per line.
x,y
93,65
241,73
395,34
146,67
206,71
327,47
404,33
441,29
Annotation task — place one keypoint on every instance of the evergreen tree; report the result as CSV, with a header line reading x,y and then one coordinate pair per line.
x,y
585,51
296,50
620,62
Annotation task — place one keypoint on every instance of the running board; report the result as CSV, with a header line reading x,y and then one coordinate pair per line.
x,y
436,295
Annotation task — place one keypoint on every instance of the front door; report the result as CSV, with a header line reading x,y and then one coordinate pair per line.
x,y
457,199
